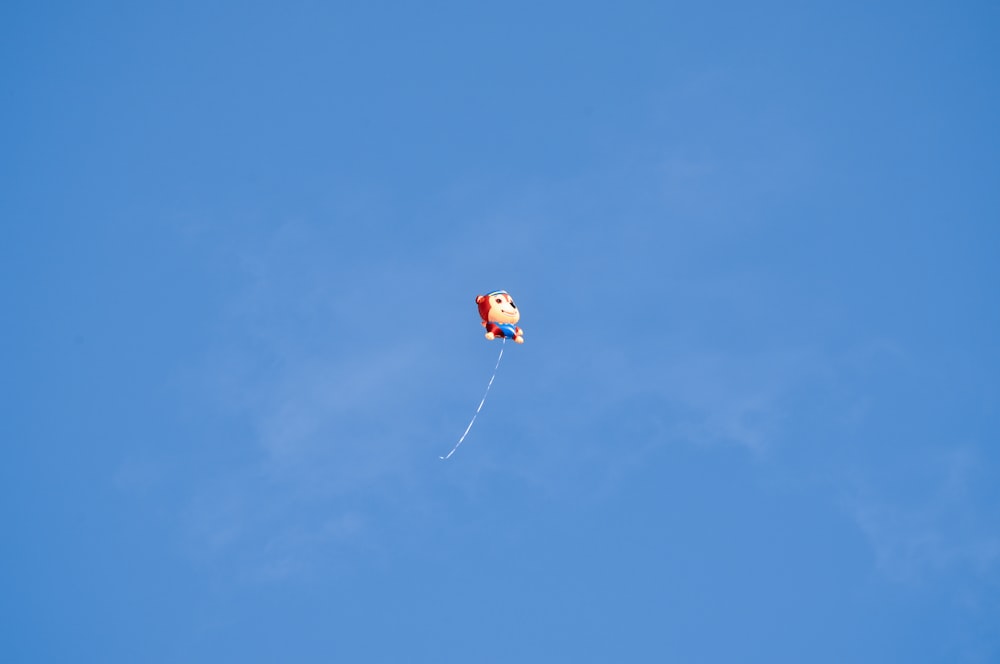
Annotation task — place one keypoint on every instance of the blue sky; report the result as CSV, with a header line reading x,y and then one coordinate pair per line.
x,y
755,248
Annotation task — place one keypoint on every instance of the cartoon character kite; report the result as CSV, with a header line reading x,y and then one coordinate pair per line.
x,y
500,317
499,314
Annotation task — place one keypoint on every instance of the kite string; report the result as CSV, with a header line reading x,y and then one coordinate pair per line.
x,y
490,384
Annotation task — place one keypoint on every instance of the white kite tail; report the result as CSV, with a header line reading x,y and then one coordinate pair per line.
x,y
490,384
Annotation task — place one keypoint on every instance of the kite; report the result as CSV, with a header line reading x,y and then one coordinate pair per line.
x,y
500,317
499,314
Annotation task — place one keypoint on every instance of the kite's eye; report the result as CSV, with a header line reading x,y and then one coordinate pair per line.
x,y
499,301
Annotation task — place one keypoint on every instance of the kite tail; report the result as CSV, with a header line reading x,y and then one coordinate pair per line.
x,y
490,384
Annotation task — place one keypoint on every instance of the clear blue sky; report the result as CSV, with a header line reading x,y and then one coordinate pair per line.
x,y
756,250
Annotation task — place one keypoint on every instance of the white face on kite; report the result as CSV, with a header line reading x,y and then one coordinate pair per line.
x,y
503,309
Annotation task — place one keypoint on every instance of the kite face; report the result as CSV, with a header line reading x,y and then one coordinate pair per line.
x,y
500,315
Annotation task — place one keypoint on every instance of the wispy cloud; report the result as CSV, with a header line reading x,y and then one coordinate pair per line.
x,y
940,525
335,372
738,399
322,431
